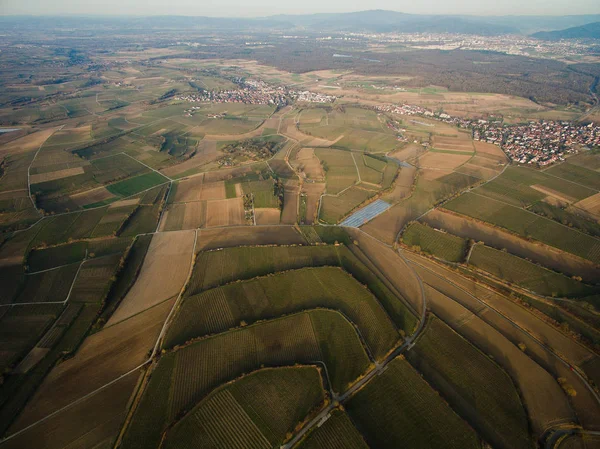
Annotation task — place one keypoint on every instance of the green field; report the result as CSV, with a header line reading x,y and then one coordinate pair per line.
x,y
527,274
527,224
440,244
259,409
573,171
399,409
340,171
473,384
337,432
136,184
220,309
48,286
214,268
514,186
195,370
334,208
567,218
263,193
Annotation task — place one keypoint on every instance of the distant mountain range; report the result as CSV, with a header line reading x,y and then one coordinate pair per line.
x,y
588,31
374,21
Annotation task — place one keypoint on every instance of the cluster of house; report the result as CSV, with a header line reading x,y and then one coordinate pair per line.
x,y
537,142
257,92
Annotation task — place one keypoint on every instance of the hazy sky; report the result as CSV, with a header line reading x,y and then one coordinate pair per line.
x,y
271,7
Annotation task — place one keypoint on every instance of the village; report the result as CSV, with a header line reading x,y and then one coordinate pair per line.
x,y
539,143
257,92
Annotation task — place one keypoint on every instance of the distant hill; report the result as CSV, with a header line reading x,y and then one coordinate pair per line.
x,y
381,21
373,21
589,31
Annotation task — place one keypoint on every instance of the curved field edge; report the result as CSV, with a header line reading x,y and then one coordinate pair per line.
x,y
338,432
261,409
184,376
399,409
473,384
218,267
222,308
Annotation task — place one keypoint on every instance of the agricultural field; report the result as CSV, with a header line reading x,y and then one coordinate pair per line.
x,y
473,384
501,239
527,224
400,408
339,167
527,274
200,249
338,432
349,128
271,296
259,409
437,243
316,336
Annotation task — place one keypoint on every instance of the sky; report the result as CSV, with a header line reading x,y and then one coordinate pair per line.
x,y
254,8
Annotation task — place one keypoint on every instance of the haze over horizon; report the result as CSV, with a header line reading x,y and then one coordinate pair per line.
x,y
260,8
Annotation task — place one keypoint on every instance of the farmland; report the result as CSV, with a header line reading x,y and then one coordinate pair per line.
x,y
337,432
412,413
283,294
260,408
267,343
527,224
527,274
178,270
480,391
440,244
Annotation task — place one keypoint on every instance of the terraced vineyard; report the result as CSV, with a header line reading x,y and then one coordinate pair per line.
x,y
478,389
527,274
256,411
222,308
437,243
399,408
202,249
337,432
202,366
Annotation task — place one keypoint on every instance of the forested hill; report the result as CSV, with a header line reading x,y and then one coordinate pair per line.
x,y
589,31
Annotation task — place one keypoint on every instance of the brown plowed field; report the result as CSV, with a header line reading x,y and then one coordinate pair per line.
x,y
385,226
442,160
590,204
92,423
103,357
403,184
392,266
309,163
194,215
196,189
206,153
162,276
225,212
268,216
91,196
490,150
290,204
410,151
58,174
544,255
30,142
313,196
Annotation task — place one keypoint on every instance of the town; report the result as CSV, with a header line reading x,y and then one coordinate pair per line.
x,y
257,92
538,143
